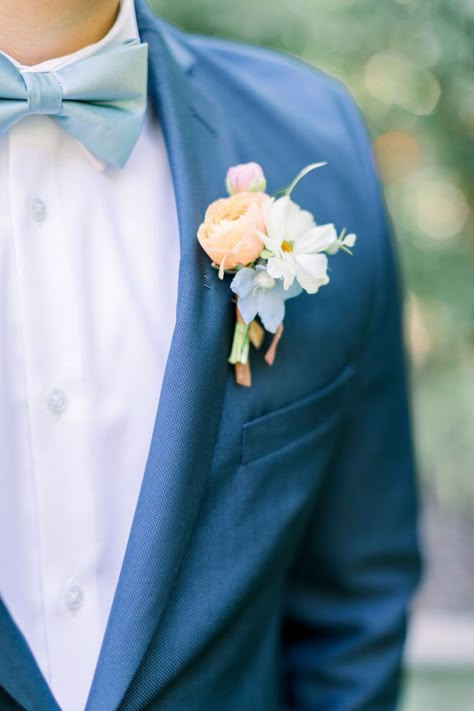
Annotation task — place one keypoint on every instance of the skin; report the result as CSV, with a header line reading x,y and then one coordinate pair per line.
x,y
32,31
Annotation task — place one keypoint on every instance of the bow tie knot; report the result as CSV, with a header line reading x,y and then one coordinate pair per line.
x,y
44,93
99,100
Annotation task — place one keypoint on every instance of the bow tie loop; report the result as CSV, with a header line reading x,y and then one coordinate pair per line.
x,y
44,93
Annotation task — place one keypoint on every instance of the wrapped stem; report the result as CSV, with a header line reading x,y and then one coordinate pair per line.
x,y
240,344
239,354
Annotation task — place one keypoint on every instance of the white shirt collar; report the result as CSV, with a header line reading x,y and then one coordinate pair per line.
x,y
124,28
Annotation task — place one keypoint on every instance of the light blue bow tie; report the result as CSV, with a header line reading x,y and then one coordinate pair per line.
x,y
100,100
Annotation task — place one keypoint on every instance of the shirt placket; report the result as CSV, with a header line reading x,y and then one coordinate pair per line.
x,y
20,584
58,394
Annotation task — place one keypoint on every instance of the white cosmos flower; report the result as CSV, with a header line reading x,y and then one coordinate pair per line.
x,y
296,245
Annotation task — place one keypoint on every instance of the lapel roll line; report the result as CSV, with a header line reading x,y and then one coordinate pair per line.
x,y
191,399
188,414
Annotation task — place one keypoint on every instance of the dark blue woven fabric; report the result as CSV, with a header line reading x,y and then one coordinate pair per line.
x,y
274,550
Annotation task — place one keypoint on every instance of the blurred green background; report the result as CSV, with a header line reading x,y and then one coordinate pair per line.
x,y
409,65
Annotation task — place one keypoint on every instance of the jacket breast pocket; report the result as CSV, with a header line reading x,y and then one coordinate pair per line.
x,y
309,415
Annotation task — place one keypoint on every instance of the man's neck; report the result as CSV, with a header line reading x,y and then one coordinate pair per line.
x,y
32,31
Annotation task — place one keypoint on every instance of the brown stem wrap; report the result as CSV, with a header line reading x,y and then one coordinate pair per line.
x,y
271,353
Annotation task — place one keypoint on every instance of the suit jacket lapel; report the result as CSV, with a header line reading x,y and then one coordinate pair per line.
x,y
196,372
19,673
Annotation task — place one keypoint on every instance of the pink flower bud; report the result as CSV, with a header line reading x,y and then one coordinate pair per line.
x,y
246,177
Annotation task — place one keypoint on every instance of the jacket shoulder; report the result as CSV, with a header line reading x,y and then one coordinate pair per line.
x,y
257,66
293,91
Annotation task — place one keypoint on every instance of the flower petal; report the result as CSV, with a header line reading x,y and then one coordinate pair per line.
x,y
292,291
311,271
272,245
242,283
248,306
298,221
316,240
275,219
280,268
276,267
271,309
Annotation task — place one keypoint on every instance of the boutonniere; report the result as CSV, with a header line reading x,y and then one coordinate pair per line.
x,y
274,248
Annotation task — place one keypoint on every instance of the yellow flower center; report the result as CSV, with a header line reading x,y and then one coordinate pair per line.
x,y
287,246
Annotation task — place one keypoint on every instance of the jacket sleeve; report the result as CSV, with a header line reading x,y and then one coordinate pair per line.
x,y
348,592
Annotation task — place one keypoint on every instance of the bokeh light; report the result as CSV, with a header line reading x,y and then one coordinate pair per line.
x,y
394,80
439,207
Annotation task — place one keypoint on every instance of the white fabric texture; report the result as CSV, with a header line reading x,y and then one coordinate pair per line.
x,y
88,271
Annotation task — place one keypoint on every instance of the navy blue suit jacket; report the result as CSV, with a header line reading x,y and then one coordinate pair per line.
x,y
273,550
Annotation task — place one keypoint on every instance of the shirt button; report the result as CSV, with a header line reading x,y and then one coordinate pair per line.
x,y
74,598
57,401
38,209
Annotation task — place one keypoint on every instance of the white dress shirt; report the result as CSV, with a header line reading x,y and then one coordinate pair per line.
x,y
88,276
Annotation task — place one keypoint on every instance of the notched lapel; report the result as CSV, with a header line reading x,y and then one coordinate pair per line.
x,y
200,151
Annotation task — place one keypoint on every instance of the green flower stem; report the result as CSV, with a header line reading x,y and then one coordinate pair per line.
x,y
240,344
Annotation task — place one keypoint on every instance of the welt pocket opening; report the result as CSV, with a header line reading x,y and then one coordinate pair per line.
x,y
309,414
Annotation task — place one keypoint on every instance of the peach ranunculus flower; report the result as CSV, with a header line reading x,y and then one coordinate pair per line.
x,y
229,233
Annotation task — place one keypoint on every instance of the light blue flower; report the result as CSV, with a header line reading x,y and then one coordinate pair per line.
x,y
261,294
